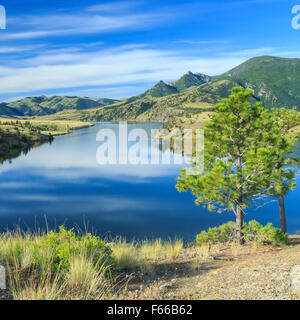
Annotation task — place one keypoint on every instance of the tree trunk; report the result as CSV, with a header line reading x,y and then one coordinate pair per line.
x,y
282,214
239,225
239,210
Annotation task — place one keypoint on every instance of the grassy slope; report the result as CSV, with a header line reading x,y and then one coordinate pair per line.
x,y
188,108
44,127
40,106
276,81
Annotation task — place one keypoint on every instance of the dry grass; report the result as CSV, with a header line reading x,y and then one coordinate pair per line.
x,y
173,269
126,255
203,252
32,273
151,250
173,249
235,248
131,256
57,127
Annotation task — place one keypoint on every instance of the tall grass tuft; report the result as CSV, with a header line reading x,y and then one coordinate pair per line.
x,y
56,265
39,289
87,279
150,250
125,254
173,248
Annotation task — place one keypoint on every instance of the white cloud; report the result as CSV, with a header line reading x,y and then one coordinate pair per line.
x,y
82,22
117,92
251,52
202,42
121,66
113,6
18,49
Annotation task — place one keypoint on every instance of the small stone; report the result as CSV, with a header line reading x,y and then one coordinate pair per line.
x,y
164,286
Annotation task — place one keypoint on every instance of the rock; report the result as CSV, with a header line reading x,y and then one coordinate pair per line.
x,y
164,286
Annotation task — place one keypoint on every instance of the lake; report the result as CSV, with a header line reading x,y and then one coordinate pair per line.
x,y
63,182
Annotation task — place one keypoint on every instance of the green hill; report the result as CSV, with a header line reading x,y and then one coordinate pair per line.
x,y
161,89
6,110
275,81
190,80
188,104
41,106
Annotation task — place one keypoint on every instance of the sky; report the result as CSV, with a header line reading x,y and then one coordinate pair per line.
x,y
118,49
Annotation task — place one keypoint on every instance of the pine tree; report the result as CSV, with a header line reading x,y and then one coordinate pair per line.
x,y
238,165
281,144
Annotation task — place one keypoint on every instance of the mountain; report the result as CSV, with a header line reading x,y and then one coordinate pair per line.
x,y
41,106
6,110
161,89
190,80
275,81
191,104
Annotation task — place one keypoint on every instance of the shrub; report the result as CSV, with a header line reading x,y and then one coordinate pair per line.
x,y
57,265
253,231
54,248
65,244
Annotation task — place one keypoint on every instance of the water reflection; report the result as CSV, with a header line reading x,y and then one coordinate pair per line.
x,y
64,182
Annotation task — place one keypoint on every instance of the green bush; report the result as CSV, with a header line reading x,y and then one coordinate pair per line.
x,y
253,231
54,249
65,244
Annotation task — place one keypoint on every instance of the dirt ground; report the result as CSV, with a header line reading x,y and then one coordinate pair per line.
x,y
234,273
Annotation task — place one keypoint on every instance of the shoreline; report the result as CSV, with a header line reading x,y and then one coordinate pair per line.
x,y
18,136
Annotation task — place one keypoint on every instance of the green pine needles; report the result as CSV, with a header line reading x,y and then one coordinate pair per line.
x,y
244,152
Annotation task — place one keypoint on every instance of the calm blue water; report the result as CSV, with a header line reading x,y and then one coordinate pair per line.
x,y
64,182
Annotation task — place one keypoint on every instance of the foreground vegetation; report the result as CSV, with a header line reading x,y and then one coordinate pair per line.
x,y
63,265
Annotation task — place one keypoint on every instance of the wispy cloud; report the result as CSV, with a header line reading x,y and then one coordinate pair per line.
x,y
17,49
116,66
250,52
99,19
202,42
113,6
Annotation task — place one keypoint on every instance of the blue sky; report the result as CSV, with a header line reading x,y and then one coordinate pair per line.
x,y
121,48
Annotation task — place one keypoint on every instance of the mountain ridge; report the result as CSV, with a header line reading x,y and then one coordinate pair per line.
x,y
42,105
275,82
